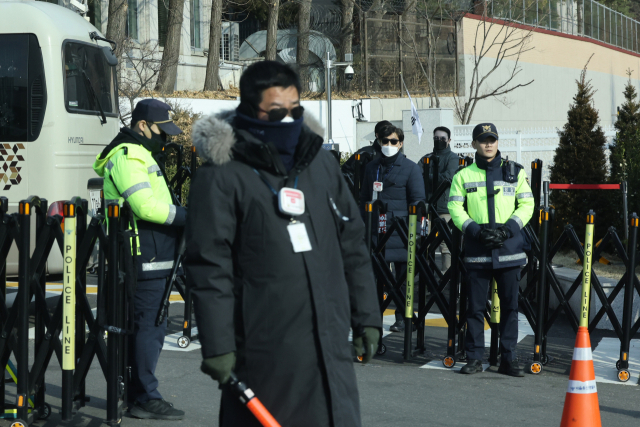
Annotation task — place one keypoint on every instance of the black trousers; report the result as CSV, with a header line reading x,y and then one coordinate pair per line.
x,y
146,342
477,287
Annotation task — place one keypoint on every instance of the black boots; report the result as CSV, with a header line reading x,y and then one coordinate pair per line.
x,y
511,368
473,366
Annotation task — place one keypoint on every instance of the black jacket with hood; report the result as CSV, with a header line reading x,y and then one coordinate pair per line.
x,y
371,152
402,185
447,167
286,314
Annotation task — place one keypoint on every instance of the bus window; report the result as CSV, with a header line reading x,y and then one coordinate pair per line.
x,y
14,63
89,80
23,92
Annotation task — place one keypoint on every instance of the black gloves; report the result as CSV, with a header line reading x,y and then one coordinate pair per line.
x,y
366,344
494,239
505,232
219,367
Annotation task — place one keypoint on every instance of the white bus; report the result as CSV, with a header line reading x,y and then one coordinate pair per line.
x,y
58,105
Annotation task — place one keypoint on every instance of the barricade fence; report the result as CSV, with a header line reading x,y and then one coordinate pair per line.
x,y
539,278
64,331
72,331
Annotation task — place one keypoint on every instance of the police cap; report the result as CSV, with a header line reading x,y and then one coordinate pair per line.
x,y
484,130
154,111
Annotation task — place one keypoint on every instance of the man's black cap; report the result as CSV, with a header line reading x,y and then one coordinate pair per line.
x,y
484,130
154,111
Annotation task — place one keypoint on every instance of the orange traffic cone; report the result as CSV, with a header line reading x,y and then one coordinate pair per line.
x,y
581,406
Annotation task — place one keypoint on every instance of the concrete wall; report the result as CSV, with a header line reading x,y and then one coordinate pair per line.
x,y
554,62
344,124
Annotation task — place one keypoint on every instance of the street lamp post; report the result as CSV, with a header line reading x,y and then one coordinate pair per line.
x,y
328,65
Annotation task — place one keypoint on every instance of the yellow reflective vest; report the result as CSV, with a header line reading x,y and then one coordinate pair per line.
x,y
493,198
131,173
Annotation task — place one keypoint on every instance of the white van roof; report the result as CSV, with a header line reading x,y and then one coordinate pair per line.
x,y
52,24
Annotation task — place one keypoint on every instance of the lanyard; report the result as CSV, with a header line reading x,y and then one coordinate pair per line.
x,y
273,190
384,177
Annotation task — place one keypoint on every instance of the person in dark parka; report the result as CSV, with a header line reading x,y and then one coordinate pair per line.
x,y
447,167
402,185
371,153
278,318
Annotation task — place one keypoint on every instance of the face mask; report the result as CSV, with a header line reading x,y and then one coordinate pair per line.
x,y
389,151
156,142
439,143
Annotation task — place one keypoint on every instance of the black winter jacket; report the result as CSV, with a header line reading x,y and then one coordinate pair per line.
x,y
401,186
372,152
286,314
447,167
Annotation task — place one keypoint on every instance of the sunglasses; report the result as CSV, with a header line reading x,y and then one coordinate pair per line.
x,y
390,141
277,114
440,138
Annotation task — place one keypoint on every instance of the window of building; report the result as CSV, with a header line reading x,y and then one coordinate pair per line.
x,y
132,19
163,21
23,93
95,14
195,23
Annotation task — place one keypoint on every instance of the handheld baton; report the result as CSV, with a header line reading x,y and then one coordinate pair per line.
x,y
249,399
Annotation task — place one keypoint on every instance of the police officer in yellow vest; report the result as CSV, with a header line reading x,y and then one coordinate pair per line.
x,y
131,173
499,203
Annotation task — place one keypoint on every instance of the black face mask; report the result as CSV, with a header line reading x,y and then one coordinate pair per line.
x,y
439,143
156,142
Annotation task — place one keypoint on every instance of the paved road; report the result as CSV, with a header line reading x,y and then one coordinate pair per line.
x,y
395,392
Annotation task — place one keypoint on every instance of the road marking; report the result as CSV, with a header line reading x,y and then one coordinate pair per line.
x,y
524,329
437,364
605,355
171,342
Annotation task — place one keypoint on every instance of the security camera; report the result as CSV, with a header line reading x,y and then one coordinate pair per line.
x,y
348,73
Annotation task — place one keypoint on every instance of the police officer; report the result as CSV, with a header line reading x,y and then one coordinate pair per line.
x,y
131,173
499,204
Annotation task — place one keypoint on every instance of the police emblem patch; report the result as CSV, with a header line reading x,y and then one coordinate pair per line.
x,y
486,128
509,191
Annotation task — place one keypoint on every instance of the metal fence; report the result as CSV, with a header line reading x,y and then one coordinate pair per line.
x,y
396,43
523,146
585,18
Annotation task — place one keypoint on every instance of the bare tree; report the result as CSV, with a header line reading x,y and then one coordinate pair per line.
x,y
431,13
346,31
495,41
215,34
302,50
117,25
272,30
141,68
171,54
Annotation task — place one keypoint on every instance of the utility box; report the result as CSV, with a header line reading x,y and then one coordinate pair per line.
x,y
430,119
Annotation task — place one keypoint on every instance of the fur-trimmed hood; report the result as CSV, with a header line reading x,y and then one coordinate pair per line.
x,y
214,136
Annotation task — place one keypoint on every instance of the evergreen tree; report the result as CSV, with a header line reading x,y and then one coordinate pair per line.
x,y
626,129
580,159
625,152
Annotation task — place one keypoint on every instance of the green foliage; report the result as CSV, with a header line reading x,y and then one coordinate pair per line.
x,y
625,153
580,159
184,118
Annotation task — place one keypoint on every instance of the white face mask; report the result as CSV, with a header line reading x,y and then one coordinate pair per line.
x,y
389,150
287,119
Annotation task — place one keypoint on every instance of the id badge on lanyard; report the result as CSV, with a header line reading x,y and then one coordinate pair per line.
x,y
291,202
